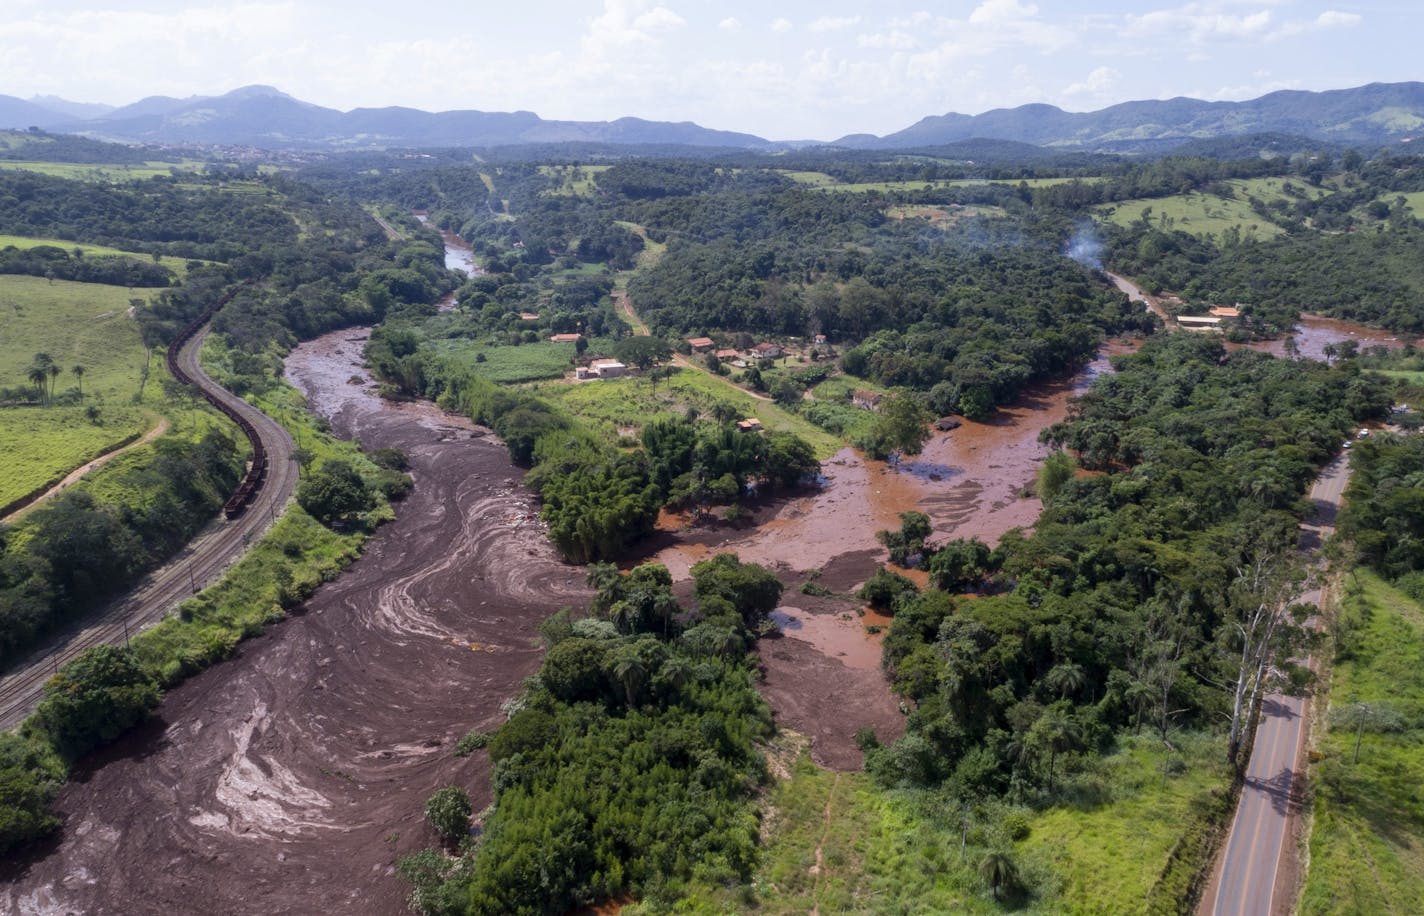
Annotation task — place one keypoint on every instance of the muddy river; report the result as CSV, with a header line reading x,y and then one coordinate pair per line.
x,y
290,779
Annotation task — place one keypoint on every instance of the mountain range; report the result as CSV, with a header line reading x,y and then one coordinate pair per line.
x,y
261,116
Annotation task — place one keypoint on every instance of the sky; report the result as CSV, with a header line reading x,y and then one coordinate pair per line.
x,y
781,70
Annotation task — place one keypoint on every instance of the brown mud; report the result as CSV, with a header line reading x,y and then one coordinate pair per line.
x,y
291,778
1315,332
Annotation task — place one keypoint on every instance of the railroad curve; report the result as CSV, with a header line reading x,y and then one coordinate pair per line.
x,y
198,565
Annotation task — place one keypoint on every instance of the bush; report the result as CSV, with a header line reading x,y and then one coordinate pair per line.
x,y
94,699
29,777
884,590
335,493
448,811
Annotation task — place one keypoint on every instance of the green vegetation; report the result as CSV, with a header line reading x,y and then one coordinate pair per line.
x,y
628,765
1368,824
101,173
74,324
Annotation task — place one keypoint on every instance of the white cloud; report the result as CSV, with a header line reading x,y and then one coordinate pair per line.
x,y
1002,11
730,24
781,24
1200,22
894,40
1100,80
1331,19
833,23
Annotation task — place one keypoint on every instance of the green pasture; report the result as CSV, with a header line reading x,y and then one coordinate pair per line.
x,y
1367,839
1414,200
178,265
573,180
1194,212
86,171
506,364
83,324
619,405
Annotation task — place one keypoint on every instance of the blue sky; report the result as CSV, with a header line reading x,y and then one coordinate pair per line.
x,y
783,70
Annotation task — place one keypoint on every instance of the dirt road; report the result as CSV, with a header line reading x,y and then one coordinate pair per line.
x,y
198,565
1256,872
291,778
78,473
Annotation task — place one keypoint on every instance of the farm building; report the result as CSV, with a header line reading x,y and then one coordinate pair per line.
x,y
767,351
727,354
749,425
606,368
565,338
866,400
700,343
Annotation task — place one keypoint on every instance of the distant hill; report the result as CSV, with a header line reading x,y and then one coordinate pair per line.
x,y
71,109
1372,115
265,117
261,116
19,114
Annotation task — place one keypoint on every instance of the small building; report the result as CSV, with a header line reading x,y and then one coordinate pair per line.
x,y
607,368
749,425
528,316
1225,311
767,351
727,354
866,400
1199,322
583,372
699,344
818,339
566,338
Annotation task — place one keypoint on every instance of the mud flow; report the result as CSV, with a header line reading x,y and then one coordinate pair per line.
x,y
291,778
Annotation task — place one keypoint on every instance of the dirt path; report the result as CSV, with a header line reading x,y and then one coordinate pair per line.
x,y
820,865
78,473
291,778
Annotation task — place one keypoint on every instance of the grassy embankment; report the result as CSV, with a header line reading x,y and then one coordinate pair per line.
x,y
84,324
838,843
1367,840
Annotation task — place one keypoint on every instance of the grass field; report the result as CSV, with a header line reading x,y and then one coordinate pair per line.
x,y
1367,841
510,365
1414,200
573,180
76,324
178,265
624,404
1196,213
838,843
97,172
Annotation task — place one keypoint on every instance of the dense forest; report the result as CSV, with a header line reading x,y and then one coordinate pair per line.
x,y
629,763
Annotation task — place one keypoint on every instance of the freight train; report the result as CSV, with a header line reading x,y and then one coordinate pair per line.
x,y
256,474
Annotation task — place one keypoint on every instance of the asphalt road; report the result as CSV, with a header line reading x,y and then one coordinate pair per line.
x,y
198,565
1250,880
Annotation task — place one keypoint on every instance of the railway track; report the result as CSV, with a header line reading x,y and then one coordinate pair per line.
x,y
267,485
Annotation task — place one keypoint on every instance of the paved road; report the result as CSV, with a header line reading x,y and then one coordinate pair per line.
x,y
201,563
1250,879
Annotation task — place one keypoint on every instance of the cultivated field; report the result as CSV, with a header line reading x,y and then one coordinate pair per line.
x,y
178,265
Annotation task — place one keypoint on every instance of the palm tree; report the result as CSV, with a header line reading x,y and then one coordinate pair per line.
x,y
37,376
78,371
998,869
630,671
54,371
1065,679
1058,733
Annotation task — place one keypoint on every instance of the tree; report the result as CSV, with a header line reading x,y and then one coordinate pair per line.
x,y
642,352
94,699
1067,678
631,671
29,777
751,589
901,428
998,870
78,371
37,376
448,811
1262,632
335,493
